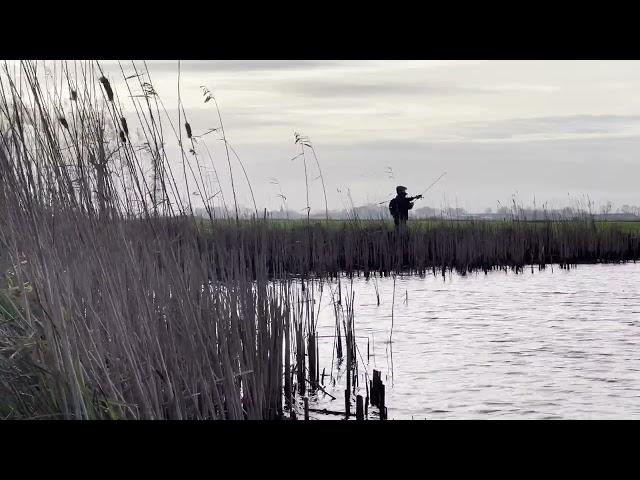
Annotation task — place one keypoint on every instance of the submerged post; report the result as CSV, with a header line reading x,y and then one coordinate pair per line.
x,y
359,408
376,391
347,403
374,388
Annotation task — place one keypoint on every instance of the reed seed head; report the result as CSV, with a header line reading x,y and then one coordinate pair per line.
x,y
107,88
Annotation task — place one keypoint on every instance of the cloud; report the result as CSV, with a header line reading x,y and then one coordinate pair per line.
x,y
547,128
359,89
215,66
520,88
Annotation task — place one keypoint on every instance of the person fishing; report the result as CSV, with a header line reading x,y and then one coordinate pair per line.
x,y
400,206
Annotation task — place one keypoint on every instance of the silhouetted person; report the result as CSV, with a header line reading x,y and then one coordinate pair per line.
x,y
400,206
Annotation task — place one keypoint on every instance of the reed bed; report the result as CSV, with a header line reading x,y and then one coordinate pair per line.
x,y
373,248
112,303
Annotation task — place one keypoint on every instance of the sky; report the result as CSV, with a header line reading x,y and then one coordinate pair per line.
x,y
552,132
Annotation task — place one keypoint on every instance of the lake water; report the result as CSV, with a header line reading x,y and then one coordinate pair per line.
x,y
543,345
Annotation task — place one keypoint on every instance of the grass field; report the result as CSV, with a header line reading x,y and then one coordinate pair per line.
x,y
630,226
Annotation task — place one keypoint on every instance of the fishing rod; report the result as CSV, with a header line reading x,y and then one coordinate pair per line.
x,y
435,181
425,190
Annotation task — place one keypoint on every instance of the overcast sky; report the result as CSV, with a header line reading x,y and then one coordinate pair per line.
x,y
555,131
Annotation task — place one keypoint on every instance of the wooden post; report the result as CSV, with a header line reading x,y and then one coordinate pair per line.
x,y
381,407
366,407
306,408
372,393
359,408
372,387
347,402
375,388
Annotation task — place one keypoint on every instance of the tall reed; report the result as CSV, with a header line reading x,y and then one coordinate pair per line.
x,y
108,308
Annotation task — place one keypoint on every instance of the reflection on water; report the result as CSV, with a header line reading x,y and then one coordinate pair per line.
x,y
548,344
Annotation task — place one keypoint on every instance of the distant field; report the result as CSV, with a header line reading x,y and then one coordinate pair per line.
x,y
627,226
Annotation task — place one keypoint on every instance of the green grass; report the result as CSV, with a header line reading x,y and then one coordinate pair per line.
x,y
630,226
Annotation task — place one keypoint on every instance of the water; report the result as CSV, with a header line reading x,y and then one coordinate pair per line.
x,y
542,345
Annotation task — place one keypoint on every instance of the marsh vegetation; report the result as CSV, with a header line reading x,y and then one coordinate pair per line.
x,y
118,302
